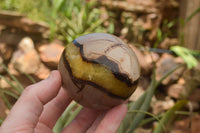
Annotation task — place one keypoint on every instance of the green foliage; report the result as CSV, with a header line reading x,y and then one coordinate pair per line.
x,y
193,14
183,22
17,88
133,120
169,116
166,28
67,19
187,55
152,117
35,10
1,120
7,4
164,31
75,18
16,85
69,114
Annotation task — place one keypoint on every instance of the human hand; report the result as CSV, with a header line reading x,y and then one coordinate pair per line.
x,y
41,104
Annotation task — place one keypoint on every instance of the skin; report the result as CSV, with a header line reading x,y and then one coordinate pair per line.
x,y
37,111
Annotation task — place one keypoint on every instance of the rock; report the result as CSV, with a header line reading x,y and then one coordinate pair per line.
x,y
195,95
144,65
149,58
145,60
192,81
168,42
50,53
187,125
26,45
181,81
144,83
1,68
40,74
18,26
142,130
175,90
134,7
3,83
22,78
26,58
19,21
12,36
167,63
5,51
159,106
193,106
43,72
192,77
138,92
3,109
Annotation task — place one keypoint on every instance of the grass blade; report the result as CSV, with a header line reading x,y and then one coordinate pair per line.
x,y
169,115
1,120
21,88
68,115
143,104
30,78
11,84
193,14
9,93
6,101
150,114
144,107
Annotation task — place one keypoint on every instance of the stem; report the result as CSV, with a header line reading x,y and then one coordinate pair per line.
x,y
65,118
169,115
30,78
7,102
10,83
143,103
150,114
9,93
169,73
21,88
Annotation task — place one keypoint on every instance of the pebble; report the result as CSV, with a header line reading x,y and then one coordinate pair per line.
x,y
50,53
26,59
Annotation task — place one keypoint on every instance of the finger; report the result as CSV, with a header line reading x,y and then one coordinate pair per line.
x,y
96,122
82,122
112,120
25,113
53,110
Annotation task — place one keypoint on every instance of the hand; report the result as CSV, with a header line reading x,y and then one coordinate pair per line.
x,y
41,104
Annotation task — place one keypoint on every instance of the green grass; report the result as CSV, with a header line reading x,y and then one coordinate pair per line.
x,y
75,18
67,19
16,90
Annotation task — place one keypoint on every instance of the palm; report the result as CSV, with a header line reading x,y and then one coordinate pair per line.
x,y
41,104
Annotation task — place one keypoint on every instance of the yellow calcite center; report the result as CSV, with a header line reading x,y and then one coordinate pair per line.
x,y
96,73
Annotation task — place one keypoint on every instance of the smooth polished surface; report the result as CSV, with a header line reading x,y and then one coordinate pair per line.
x,y
99,70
